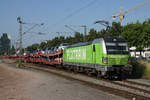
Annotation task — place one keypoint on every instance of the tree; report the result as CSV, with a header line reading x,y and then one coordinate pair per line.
x,y
12,50
137,35
114,30
146,33
78,37
4,44
92,34
33,47
42,45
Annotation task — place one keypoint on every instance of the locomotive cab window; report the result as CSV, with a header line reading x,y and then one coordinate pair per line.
x,y
117,48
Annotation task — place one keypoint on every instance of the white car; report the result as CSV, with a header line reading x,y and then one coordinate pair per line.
x,y
62,46
147,54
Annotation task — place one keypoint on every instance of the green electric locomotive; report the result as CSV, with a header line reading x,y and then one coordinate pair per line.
x,y
107,57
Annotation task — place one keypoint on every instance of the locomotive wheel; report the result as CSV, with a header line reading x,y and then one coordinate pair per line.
x,y
75,70
69,69
88,72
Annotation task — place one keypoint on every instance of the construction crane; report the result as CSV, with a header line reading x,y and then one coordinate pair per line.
x,y
121,14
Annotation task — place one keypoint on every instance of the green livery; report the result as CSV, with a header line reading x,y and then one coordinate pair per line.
x,y
103,55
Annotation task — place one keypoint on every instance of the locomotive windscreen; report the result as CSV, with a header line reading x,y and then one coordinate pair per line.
x,y
116,46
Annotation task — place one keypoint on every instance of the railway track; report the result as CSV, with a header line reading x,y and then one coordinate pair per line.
x,y
132,88
135,84
126,89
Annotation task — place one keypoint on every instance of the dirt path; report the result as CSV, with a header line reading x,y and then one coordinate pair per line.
x,y
20,84
12,82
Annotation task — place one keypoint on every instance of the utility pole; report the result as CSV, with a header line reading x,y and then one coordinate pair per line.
x,y
20,36
20,42
85,28
20,39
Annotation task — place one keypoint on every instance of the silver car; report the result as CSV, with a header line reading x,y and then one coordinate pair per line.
x,y
62,46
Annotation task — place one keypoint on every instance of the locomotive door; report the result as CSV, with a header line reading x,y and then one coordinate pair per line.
x,y
94,54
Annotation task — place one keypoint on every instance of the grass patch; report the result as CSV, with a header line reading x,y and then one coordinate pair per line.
x,y
146,73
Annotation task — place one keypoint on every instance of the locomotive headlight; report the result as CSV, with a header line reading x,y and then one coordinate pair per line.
x,y
105,60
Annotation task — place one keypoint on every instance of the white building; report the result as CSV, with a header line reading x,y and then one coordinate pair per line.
x,y
145,53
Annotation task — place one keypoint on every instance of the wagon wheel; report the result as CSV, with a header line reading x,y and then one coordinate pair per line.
x,y
88,72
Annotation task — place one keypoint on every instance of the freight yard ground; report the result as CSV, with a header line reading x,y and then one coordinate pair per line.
x,y
20,84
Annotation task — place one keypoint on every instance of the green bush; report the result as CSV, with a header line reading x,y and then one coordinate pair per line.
x,y
138,68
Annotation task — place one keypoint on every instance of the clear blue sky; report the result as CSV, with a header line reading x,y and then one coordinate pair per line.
x,y
57,13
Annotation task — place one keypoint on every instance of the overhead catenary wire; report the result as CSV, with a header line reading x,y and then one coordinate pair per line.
x,y
80,9
74,12
71,14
